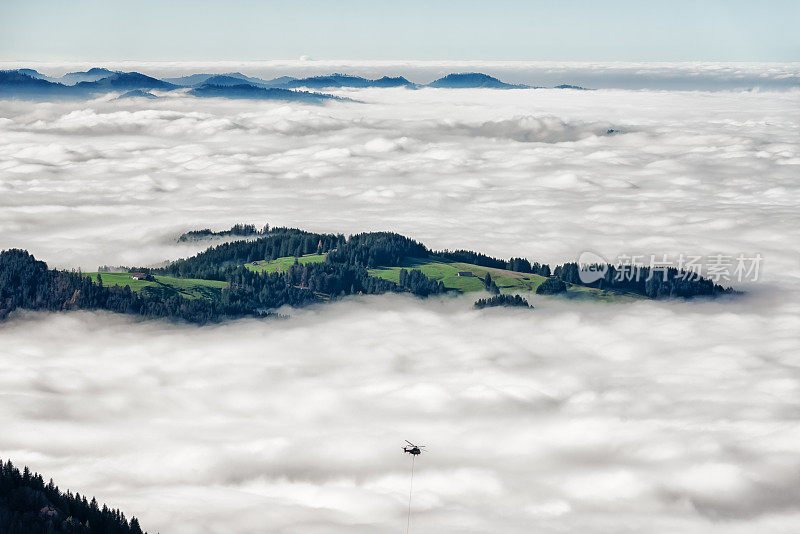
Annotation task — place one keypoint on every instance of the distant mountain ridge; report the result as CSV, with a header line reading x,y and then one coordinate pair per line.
x,y
347,80
137,93
290,82
473,80
576,87
92,75
125,81
16,83
33,73
196,80
26,83
32,84
251,92
20,84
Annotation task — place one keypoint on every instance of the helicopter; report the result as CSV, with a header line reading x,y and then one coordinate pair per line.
x,y
413,449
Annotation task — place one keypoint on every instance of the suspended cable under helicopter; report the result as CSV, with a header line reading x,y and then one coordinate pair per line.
x,y
414,451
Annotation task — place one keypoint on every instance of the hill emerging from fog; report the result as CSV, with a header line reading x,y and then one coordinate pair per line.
x,y
473,80
276,267
22,84
91,75
346,80
124,81
251,92
137,93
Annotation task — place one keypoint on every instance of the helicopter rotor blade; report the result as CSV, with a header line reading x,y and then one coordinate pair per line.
x,y
409,443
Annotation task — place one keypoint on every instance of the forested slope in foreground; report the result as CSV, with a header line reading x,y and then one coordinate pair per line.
x,y
29,506
286,266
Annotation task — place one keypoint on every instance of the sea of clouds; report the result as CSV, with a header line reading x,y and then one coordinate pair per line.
x,y
575,417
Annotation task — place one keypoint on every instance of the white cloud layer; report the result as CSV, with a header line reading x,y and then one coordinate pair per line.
x,y
654,417
650,417
506,172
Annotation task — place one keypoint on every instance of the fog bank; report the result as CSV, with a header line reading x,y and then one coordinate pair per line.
x,y
527,173
649,417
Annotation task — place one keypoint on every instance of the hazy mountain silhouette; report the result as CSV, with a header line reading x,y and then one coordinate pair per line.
x,y
189,81
280,81
473,80
137,93
29,83
196,80
34,74
333,80
567,86
247,91
19,84
14,83
230,79
124,81
91,75
392,81
347,80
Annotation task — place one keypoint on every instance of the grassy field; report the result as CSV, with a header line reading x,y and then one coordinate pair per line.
x,y
507,281
282,264
165,285
447,272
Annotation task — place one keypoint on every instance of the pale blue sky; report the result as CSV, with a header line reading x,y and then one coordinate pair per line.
x,y
625,30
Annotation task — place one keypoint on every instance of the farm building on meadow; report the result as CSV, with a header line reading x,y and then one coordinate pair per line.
x,y
138,276
464,273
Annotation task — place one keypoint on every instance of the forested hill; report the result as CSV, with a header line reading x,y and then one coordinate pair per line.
x,y
241,279
29,506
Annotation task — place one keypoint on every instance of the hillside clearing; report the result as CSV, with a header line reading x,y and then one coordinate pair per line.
x,y
166,286
282,264
448,273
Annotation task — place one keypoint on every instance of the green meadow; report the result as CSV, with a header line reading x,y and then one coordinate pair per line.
x,y
282,264
448,273
166,286
507,281
452,274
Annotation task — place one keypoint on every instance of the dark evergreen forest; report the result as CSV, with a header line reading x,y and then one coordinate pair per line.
x,y
666,283
502,300
29,506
